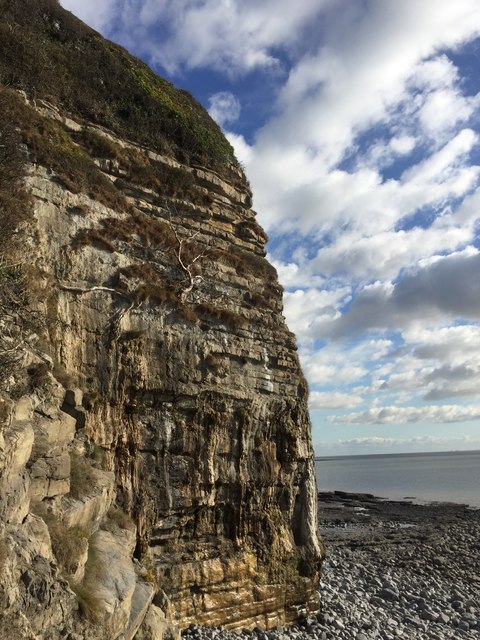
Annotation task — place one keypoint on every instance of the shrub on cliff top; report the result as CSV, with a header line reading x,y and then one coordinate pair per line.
x,y
49,53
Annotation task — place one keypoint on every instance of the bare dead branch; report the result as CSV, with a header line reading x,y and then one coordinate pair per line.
x,y
187,266
84,290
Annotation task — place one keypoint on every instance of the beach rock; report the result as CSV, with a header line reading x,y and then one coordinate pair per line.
x,y
388,594
416,603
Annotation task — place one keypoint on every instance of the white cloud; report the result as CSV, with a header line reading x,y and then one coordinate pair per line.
x,y
402,144
305,310
384,254
436,365
444,109
243,150
443,106
338,364
293,191
379,441
293,275
321,369
455,345
385,152
224,107
447,288
231,36
331,97
405,415
434,73
444,163
333,400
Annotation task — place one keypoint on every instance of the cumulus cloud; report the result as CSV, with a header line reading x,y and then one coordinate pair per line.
x,y
354,81
434,365
307,309
243,150
378,441
455,345
449,381
384,254
340,364
444,109
406,415
447,287
224,107
334,400
233,36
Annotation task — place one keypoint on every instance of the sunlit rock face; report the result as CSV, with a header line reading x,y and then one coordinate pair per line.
x,y
200,412
170,384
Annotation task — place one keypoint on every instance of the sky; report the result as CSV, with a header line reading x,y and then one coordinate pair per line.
x,y
358,125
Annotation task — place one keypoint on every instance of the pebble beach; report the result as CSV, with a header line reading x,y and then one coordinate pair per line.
x,y
394,569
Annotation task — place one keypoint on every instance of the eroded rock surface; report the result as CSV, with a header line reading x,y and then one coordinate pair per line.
x,y
162,432
202,417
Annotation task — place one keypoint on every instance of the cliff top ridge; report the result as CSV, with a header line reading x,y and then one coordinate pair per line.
x,y
50,54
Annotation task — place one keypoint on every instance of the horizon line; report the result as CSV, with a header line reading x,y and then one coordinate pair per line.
x,y
395,453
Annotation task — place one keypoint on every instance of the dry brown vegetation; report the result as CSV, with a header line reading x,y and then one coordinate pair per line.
x,y
14,201
82,476
246,263
173,181
222,316
4,553
51,146
141,232
139,168
88,601
150,287
38,375
98,145
117,519
68,544
213,361
18,319
151,232
94,238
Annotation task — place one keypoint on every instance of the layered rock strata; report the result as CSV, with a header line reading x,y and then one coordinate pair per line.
x,y
164,429
202,417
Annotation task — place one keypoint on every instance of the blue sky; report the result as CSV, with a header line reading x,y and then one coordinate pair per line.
x,y
358,124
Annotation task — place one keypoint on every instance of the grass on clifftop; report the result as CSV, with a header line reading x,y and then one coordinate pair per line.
x,y
50,54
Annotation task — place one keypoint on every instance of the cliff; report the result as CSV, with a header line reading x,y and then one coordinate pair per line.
x,y
155,446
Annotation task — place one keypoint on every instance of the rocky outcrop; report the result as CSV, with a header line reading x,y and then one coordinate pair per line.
x,y
158,455
202,417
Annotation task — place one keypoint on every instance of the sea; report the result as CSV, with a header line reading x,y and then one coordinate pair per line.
x,y
420,477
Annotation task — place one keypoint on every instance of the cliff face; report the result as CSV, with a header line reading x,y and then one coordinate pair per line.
x,y
155,442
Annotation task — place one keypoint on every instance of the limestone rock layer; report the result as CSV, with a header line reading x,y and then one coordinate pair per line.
x,y
163,422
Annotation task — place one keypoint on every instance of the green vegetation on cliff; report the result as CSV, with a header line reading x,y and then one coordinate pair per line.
x,y
50,54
